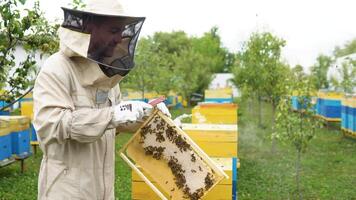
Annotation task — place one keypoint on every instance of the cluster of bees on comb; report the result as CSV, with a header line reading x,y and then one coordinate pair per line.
x,y
163,142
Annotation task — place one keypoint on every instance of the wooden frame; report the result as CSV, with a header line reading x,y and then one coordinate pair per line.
x,y
134,155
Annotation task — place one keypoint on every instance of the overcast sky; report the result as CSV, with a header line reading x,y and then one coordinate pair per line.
x,y
310,27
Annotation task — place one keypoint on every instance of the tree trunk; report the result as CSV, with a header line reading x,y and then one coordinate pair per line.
x,y
259,111
297,177
274,142
250,101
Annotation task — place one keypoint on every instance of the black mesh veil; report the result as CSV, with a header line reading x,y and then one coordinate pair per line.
x,y
112,38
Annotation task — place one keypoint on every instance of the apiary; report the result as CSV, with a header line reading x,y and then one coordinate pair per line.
x,y
169,162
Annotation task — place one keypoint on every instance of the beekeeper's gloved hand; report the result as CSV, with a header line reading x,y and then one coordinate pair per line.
x,y
131,111
163,108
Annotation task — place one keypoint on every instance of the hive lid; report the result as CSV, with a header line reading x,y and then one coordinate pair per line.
x,y
166,154
209,127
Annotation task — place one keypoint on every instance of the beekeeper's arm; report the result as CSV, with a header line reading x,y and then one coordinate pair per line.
x,y
55,116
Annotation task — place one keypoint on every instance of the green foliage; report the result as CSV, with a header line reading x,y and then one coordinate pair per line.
x,y
319,72
297,127
77,4
349,48
348,76
258,63
210,47
191,73
30,31
258,70
175,61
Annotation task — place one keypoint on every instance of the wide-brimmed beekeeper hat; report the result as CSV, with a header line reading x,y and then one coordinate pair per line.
x,y
75,34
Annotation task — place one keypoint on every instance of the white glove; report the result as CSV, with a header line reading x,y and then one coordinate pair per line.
x,y
163,108
131,111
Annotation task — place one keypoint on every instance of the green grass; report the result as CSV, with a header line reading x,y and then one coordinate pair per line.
x,y
329,166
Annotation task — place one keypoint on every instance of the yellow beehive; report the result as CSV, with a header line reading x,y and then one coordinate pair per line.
x,y
17,123
216,140
215,113
330,95
27,109
222,191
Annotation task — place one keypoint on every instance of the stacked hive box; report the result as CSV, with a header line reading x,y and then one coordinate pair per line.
x,y
297,103
214,129
329,106
223,95
215,113
348,116
20,135
27,110
5,142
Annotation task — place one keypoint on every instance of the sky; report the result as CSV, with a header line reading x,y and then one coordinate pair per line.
x,y
310,27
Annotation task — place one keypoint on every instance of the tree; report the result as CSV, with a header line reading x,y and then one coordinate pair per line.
x,y
30,31
256,68
347,73
297,128
210,46
319,72
191,73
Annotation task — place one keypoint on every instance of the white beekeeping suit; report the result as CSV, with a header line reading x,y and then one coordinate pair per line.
x,y
76,102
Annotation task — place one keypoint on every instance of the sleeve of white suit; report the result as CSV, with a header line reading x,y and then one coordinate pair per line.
x,y
54,115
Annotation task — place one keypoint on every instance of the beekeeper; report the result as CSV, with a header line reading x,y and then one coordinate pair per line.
x,y
77,106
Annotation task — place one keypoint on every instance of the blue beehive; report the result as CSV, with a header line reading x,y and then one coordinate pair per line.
x,y
329,106
344,115
33,134
20,135
6,111
348,115
5,140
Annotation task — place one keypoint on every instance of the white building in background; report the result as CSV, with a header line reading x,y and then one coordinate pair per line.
x,y
223,80
335,69
21,55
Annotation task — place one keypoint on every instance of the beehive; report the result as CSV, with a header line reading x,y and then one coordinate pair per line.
x,y
223,95
27,110
161,152
329,106
348,116
20,134
5,140
215,113
225,190
216,140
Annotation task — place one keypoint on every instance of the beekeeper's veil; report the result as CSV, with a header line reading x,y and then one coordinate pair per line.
x,y
102,33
